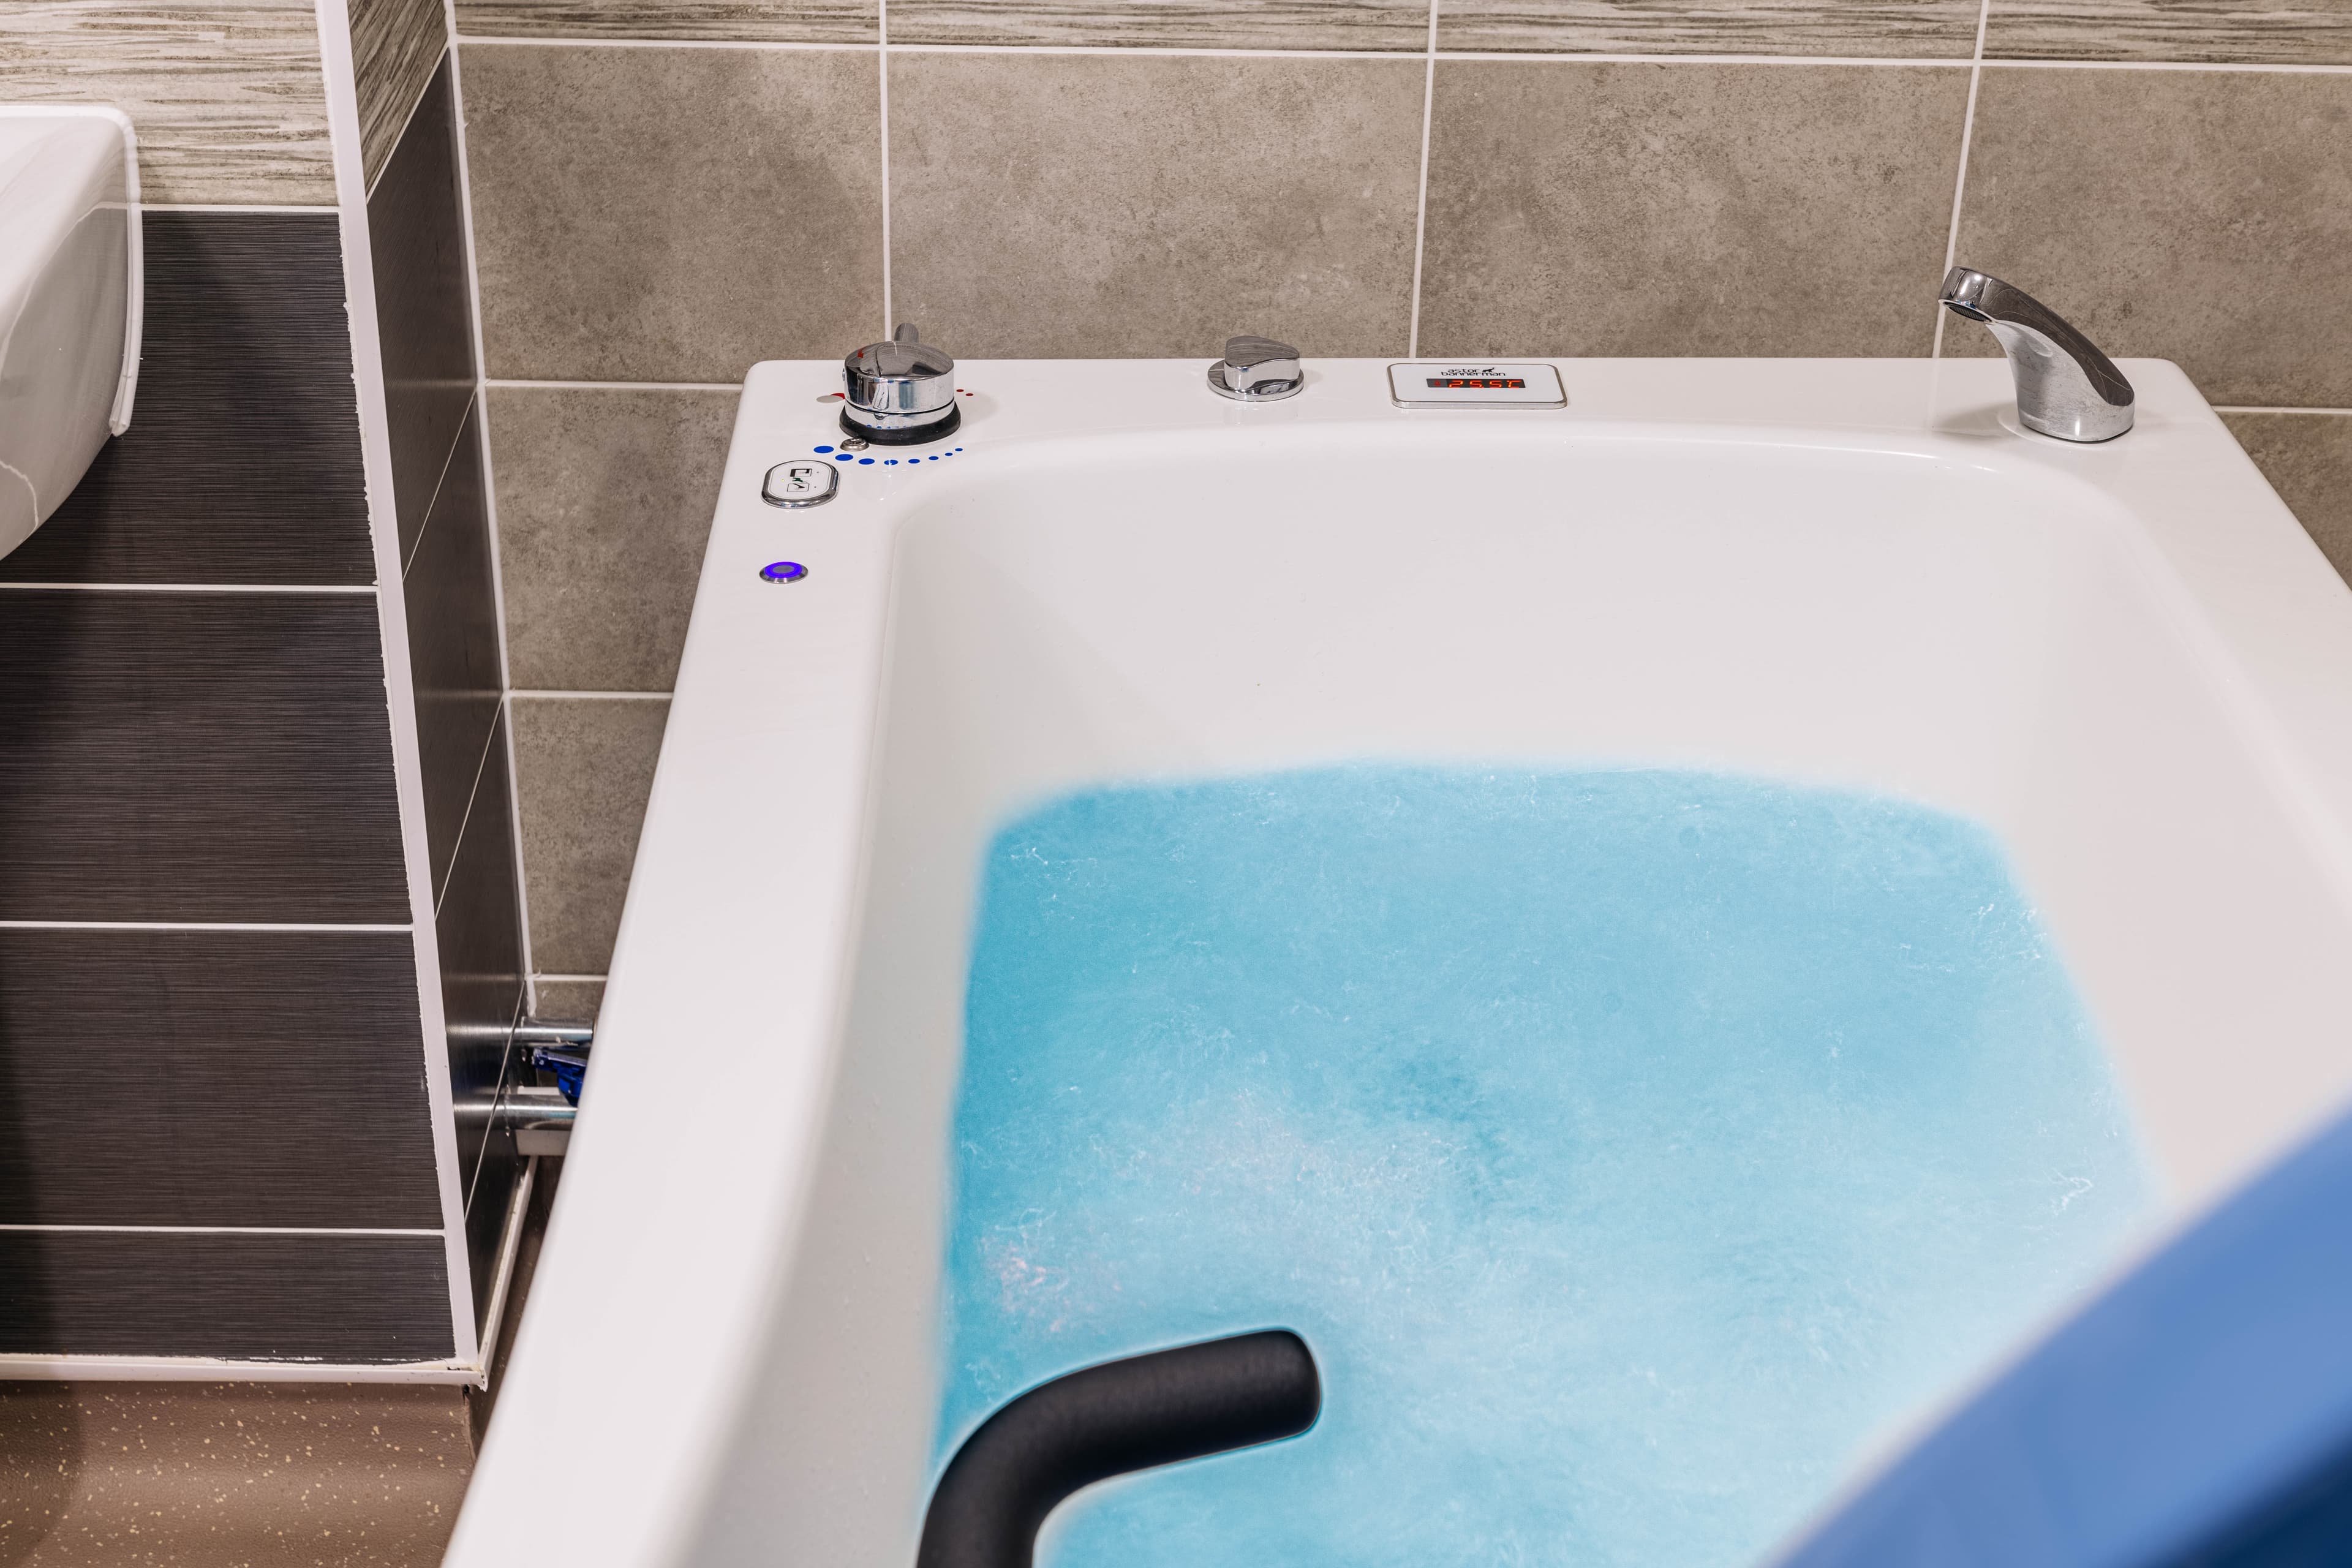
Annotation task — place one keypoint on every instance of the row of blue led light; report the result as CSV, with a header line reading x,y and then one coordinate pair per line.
x,y
887,462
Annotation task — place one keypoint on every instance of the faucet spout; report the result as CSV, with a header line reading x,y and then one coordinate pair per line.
x,y
2065,386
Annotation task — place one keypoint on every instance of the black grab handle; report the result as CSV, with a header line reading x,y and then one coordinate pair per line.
x,y
1107,1420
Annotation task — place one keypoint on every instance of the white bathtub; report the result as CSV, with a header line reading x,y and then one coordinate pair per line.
x,y
2127,659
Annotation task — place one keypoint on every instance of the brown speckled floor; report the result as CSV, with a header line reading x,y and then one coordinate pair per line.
x,y
230,1475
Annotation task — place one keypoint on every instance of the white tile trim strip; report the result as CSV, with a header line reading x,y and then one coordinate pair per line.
x,y
392,616
193,587
231,207
225,926
882,50
571,979
591,695
202,1369
2249,409
475,40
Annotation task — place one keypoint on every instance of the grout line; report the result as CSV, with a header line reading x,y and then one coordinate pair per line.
x,y
572,979
227,1230
440,479
1593,58
543,696
234,207
479,40
2253,408
507,384
1960,180
195,587
498,1093
222,926
473,794
882,64
1420,195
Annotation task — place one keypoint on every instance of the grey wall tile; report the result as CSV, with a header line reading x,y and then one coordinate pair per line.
x,y
424,304
1101,205
2199,217
672,214
1916,29
1687,209
230,1475
338,1297
208,1077
753,21
2280,32
584,767
396,46
570,1001
604,501
196,757
242,462
2307,458
1386,25
226,95
453,648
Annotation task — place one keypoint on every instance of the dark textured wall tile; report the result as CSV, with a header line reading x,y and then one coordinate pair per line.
x,y
195,757
452,647
2271,32
416,240
2307,458
242,462
212,1077
250,1298
2199,217
604,503
395,46
1916,29
1687,209
479,929
618,241
1103,206
584,767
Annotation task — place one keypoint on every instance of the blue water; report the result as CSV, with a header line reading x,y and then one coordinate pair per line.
x,y
1629,1146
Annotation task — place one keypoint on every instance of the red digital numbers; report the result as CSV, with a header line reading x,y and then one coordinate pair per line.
x,y
1457,383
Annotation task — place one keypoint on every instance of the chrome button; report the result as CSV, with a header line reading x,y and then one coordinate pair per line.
x,y
804,481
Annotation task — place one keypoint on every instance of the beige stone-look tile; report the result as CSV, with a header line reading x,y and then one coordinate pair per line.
x,y
395,45
604,501
2271,32
1390,25
584,768
2199,217
227,96
570,1001
673,213
744,21
1107,205
1687,209
228,1475
2307,458
1878,30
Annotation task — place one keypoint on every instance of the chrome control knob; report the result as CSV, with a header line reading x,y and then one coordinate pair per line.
x,y
899,393
1257,370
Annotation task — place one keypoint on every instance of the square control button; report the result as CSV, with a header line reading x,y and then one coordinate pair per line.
x,y
1462,383
804,481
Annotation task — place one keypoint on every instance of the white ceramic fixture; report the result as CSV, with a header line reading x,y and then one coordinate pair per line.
x,y
2127,659
69,287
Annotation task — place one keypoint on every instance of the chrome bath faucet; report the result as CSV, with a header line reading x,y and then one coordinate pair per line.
x,y
2065,386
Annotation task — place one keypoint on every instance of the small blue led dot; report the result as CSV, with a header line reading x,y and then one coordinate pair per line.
x,y
867,461
890,462
824,449
842,458
783,572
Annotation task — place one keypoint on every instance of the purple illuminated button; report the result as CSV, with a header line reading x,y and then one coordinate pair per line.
x,y
783,572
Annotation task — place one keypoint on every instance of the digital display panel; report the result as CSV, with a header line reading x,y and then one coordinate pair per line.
x,y
1455,383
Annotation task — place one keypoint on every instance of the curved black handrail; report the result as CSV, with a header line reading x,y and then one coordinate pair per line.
x,y
1107,1420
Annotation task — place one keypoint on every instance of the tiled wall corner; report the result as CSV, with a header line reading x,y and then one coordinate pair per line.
x,y
397,49
227,96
